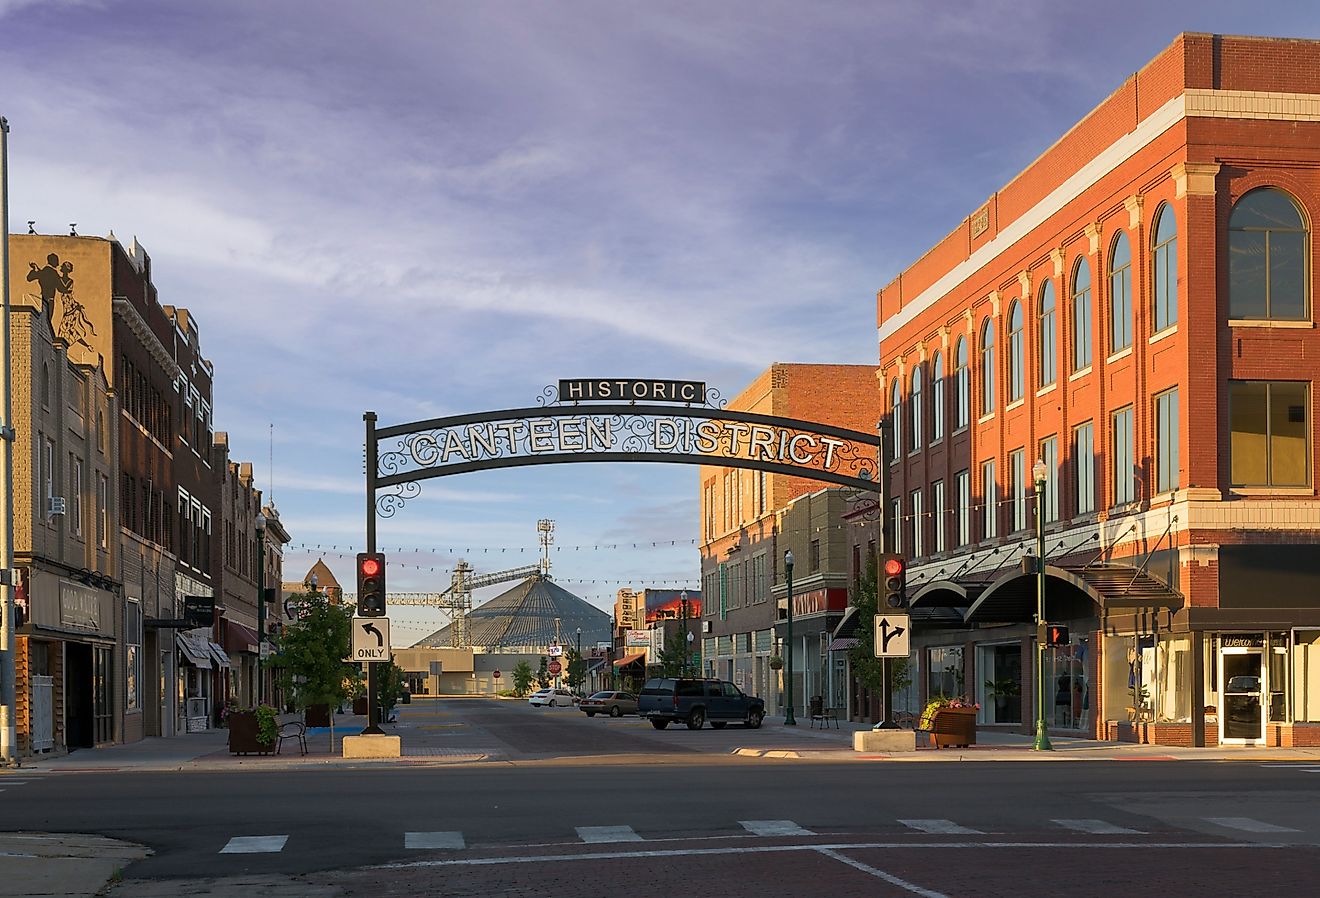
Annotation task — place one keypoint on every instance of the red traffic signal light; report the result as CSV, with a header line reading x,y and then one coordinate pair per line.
x,y
370,566
371,584
895,586
893,567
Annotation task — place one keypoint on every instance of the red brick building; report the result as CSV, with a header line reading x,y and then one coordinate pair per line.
x,y
1134,310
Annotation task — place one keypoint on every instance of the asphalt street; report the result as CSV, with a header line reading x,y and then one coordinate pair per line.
x,y
586,807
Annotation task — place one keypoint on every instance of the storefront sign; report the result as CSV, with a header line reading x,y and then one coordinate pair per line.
x,y
199,611
1242,641
80,607
818,601
638,639
631,390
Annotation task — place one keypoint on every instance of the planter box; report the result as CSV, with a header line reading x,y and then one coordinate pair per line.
x,y
243,735
317,716
953,727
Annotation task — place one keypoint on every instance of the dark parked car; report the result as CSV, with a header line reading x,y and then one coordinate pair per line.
x,y
615,704
664,700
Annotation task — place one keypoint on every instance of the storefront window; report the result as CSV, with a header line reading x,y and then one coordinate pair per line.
x,y
944,672
999,667
905,685
1306,676
1276,677
1067,687
1172,679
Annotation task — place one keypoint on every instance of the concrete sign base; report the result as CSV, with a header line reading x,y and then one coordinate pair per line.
x,y
884,740
373,747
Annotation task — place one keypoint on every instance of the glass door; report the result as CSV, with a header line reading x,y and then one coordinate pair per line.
x,y
1241,719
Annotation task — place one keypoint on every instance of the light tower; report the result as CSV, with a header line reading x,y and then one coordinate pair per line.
x,y
545,528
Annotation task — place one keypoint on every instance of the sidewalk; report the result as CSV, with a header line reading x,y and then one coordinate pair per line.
x,y
71,866
818,744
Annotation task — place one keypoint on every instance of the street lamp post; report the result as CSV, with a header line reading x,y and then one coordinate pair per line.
x,y
261,604
1042,743
582,668
789,721
687,637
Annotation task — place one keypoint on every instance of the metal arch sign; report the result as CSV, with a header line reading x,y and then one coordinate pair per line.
x,y
400,456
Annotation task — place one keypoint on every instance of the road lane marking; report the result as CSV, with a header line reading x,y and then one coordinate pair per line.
x,y
774,828
434,840
840,846
1098,827
254,845
941,826
887,877
1247,824
599,834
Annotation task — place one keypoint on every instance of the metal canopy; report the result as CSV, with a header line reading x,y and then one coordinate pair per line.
x,y
1011,599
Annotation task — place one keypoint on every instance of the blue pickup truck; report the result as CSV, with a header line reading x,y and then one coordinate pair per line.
x,y
664,700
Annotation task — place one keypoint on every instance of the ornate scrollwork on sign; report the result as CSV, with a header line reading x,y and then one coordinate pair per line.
x,y
549,396
714,399
390,499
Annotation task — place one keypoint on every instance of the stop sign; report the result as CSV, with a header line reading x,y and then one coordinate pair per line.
x,y
496,675
554,667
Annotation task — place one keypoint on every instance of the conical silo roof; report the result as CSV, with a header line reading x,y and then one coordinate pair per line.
x,y
522,619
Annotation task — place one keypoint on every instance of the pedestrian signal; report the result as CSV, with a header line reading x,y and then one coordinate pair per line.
x,y
1056,636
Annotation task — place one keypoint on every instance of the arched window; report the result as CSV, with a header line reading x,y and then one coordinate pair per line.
x,y
916,430
1267,268
896,417
937,398
962,385
1120,294
1165,262
1081,315
987,367
1046,343
1014,351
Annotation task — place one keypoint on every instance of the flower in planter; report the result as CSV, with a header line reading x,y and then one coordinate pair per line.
x,y
941,702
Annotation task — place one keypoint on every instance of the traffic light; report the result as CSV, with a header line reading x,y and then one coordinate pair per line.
x,y
371,584
1056,636
893,570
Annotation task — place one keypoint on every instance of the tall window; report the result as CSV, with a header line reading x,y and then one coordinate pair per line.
x,y
1165,259
1017,472
987,367
1015,352
989,489
102,511
963,482
1081,315
762,482
896,515
1267,270
962,385
133,656
1084,464
76,495
1120,294
914,405
1124,473
918,524
896,417
1046,340
937,512
937,398
1166,441
1049,454
1270,424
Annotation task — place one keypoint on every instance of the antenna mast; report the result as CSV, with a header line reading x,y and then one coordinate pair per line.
x,y
545,528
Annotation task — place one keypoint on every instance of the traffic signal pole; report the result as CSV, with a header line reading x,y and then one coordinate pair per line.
x,y
373,713
881,547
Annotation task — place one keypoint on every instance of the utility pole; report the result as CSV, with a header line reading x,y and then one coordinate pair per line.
x,y
8,639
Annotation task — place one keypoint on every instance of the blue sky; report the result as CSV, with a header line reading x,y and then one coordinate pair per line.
x,y
434,208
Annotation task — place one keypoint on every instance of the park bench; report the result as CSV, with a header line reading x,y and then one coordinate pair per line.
x,y
818,713
290,726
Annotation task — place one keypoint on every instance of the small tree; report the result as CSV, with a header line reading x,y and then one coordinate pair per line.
x,y
389,687
674,660
577,669
522,678
543,675
310,655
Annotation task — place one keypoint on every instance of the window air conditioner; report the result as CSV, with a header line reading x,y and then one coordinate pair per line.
x,y
706,626
54,506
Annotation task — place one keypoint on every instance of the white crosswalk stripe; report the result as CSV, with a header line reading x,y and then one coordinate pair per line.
x,y
774,828
254,845
434,840
1098,827
599,834
1250,825
940,826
